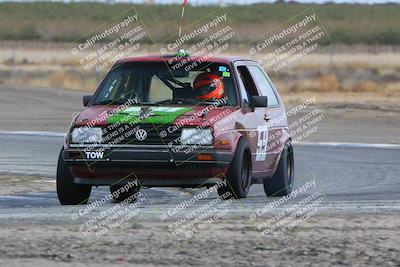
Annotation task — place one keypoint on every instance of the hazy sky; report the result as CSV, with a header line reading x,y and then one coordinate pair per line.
x,y
268,1
199,2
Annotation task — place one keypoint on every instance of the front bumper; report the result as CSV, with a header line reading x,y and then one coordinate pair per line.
x,y
152,166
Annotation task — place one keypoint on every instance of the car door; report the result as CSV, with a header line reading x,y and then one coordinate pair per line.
x,y
277,124
252,122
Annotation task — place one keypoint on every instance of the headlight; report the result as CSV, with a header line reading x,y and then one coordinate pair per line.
x,y
86,135
194,136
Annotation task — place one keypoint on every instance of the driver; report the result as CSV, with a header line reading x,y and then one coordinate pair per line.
x,y
208,86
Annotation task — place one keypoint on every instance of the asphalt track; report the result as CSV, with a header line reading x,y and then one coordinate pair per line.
x,y
352,177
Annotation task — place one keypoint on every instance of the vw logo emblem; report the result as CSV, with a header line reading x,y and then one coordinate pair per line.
x,y
141,134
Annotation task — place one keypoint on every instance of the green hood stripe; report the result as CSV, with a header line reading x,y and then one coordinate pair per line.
x,y
158,115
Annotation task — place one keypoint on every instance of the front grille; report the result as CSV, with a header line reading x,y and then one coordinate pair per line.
x,y
150,134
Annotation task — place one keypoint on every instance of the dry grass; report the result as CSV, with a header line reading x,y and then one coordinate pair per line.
x,y
366,86
328,83
343,76
63,79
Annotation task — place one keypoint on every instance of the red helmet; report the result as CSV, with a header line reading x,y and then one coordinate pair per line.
x,y
208,85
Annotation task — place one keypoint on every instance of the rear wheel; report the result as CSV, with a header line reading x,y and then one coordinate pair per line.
x,y
239,173
120,194
281,183
68,192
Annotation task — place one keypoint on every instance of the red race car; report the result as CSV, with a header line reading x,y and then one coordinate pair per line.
x,y
178,121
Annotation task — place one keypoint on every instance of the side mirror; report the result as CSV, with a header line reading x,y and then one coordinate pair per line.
x,y
259,101
86,100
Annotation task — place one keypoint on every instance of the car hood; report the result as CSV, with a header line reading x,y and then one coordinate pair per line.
x,y
178,115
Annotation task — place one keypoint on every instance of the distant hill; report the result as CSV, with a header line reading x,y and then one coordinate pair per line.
x,y
51,21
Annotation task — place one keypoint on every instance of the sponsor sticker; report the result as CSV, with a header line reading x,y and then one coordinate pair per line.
x,y
94,154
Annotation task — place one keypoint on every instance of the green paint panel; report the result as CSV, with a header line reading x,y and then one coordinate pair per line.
x,y
158,115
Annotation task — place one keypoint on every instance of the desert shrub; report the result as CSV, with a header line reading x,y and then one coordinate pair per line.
x,y
365,86
327,83
345,23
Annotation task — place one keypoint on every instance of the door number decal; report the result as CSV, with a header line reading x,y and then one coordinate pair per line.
x,y
262,143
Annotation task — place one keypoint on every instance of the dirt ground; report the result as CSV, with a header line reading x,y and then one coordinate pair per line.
x,y
336,240
325,239
17,184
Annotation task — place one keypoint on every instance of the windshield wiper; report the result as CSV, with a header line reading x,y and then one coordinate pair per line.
x,y
119,102
178,101
147,104
189,101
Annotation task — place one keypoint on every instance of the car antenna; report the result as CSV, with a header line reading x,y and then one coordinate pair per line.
x,y
182,15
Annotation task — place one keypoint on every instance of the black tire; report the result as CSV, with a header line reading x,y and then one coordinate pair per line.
x,y
121,196
239,173
281,183
68,192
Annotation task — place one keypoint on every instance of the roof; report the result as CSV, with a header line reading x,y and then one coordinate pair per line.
x,y
163,58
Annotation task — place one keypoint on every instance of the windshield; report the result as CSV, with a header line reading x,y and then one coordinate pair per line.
x,y
156,83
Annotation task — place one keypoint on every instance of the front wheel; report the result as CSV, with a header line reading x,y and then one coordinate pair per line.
x,y
239,173
281,183
68,192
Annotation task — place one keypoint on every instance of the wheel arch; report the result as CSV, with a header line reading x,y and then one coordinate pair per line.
x,y
287,143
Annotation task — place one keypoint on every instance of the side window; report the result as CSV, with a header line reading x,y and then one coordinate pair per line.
x,y
264,85
248,82
242,88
